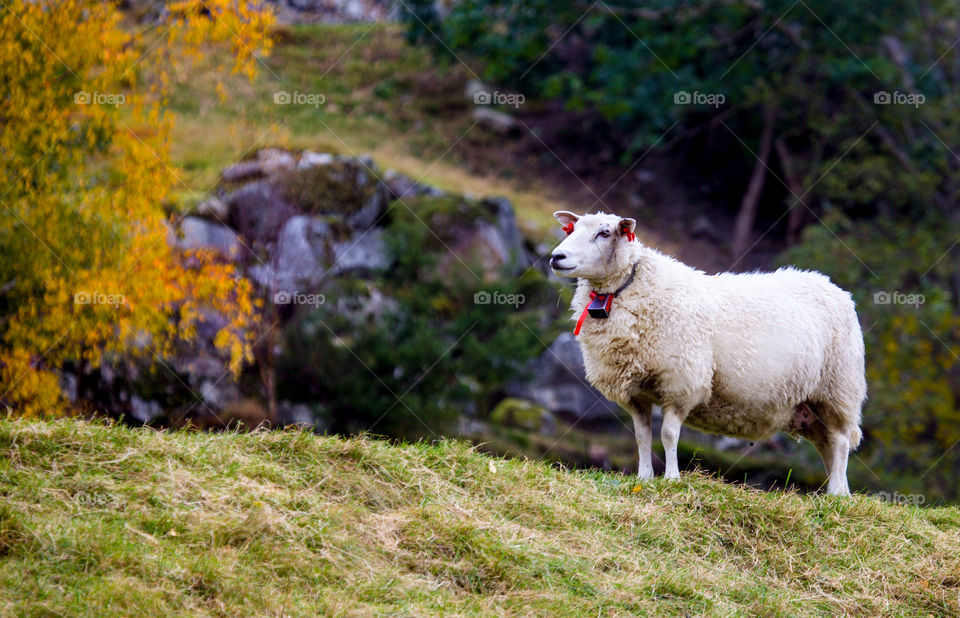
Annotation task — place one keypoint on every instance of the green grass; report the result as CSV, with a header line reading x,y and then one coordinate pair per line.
x,y
105,520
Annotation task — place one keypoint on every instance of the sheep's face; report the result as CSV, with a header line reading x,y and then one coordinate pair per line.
x,y
593,245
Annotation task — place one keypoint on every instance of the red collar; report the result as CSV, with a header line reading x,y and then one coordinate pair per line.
x,y
600,304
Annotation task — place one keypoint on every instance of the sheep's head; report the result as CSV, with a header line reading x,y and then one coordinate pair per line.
x,y
595,245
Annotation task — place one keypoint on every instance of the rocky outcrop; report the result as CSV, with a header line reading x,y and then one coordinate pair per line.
x,y
308,223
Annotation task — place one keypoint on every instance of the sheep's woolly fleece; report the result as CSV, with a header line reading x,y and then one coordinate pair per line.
x,y
738,352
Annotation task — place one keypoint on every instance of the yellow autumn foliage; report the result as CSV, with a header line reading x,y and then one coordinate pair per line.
x,y
86,269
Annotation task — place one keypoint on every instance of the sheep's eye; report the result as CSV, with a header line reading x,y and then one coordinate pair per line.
x,y
603,234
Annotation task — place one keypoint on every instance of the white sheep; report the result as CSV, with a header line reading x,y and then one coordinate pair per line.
x,y
744,355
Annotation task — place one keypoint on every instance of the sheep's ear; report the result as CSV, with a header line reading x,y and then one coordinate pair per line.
x,y
565,217
628,226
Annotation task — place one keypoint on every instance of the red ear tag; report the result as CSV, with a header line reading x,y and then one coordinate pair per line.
x,y
626,232
599,307
568,228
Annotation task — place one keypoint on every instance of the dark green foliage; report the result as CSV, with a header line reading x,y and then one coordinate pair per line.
x,y
627,61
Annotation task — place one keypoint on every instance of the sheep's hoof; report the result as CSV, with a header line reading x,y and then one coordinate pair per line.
x,y
673,476
644,475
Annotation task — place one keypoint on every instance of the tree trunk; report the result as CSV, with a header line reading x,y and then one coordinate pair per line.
x,y
743,227
797,211
266,362
272,383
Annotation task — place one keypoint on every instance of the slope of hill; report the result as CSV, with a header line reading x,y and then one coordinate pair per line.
x,y
105,520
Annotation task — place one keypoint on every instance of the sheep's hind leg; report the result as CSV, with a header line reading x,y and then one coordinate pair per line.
x,y
839,452
808,424
826,454
833,445
834,448
670,435
643,430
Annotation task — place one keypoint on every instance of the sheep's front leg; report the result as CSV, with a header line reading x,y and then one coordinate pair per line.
x,y
670,435
643,429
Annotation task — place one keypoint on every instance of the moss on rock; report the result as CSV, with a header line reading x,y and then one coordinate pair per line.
x,y
513,412
338,188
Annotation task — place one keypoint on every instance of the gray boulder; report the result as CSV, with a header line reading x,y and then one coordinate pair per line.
x,y
364,252
242,170
403,187
362,172
370,212
495,121
301,256
258,210
197,233
144,411
310,159
275,160
491,241
212,208
268,162
508,232
558,383
290,413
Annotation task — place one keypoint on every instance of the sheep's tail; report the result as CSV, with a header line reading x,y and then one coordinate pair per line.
x,y
855,436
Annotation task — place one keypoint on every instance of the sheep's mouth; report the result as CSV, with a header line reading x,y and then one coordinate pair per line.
x,y
561,268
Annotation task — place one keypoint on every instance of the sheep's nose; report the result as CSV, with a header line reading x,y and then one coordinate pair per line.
x,y
557,257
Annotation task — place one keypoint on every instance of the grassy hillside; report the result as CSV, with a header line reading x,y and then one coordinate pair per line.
x,y
383,96
100,520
